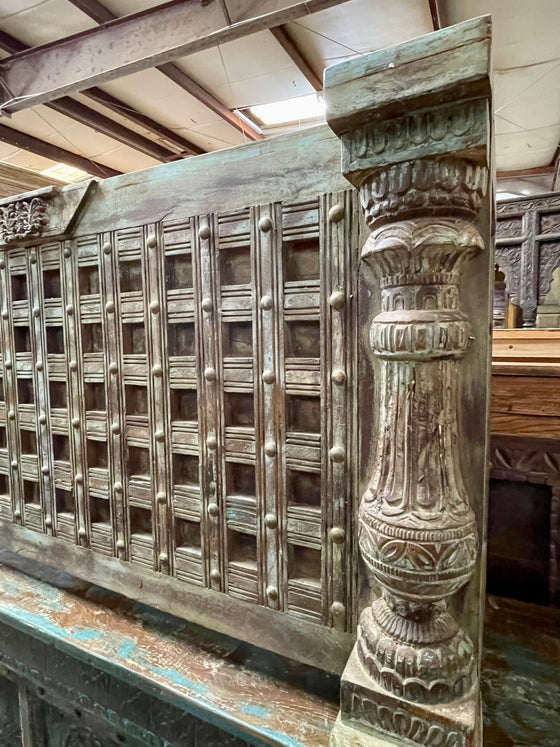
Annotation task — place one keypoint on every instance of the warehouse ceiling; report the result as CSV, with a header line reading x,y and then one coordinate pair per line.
x,y
170,81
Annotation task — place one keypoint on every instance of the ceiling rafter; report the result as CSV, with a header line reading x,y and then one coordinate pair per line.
x,y
100,14
135,42
288,44
54,152
84,114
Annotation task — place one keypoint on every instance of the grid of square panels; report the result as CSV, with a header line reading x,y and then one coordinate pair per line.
x,y
180,396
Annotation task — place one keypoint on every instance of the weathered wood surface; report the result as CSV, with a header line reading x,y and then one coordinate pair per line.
x,y
156,680
422,163
178,412
526,346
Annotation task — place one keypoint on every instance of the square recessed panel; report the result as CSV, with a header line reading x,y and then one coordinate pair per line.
x,y
184,404
240,479
28,441
237,339
304,563
97,454
242,547
178,271
22,339
94,393
136,400
131,276
88,278
99,510
55,340
235,266
64,501
239,408
185,469
134,338
302,339
138,461
57,394
187,534
61,448
26,395
51,284
19,288
140,521
302,260
303,488
181,339
31,492
92,338
303,414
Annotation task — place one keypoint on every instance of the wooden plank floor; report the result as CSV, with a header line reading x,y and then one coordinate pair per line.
x,y
275,702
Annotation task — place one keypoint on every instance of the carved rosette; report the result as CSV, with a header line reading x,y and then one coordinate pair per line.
x,y
417,530
22,219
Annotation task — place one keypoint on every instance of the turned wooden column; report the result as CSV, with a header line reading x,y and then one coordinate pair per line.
x,y
414,122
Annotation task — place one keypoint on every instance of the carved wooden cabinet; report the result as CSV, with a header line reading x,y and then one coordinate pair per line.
x,y
528,254
198,383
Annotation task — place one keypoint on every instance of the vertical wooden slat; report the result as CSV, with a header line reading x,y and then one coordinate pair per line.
x,y
266,233
339,251
10,392
112,351
76,405
39,357
158,388
211,437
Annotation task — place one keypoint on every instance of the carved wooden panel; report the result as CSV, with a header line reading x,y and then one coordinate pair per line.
x,y
528,249
179,396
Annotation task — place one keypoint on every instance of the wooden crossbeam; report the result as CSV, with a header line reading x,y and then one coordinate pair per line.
x,y
288,44
84,114
136,42
54,152
99,13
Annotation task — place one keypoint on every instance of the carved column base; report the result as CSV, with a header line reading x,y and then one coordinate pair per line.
x,y
424,657
372,717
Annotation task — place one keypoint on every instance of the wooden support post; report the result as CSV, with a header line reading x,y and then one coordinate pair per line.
x,y
414,122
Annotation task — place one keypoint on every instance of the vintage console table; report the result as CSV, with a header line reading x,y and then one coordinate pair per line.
x,y
200,380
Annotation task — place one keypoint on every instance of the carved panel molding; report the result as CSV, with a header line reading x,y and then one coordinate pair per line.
x,y
22,219
528,249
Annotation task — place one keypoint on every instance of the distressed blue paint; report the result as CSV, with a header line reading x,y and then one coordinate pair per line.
x,y
86,634
255,710
37,621
125,648
179,679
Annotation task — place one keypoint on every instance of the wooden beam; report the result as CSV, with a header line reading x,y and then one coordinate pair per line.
x,y
136,42
520,173
286,41
100,122
556,177
435,14
14,180
84,114
42,148
99,13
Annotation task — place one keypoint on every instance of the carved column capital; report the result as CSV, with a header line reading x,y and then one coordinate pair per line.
x,y
421,164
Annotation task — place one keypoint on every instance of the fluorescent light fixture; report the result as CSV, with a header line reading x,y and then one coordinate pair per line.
x,y
65,173
300,109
